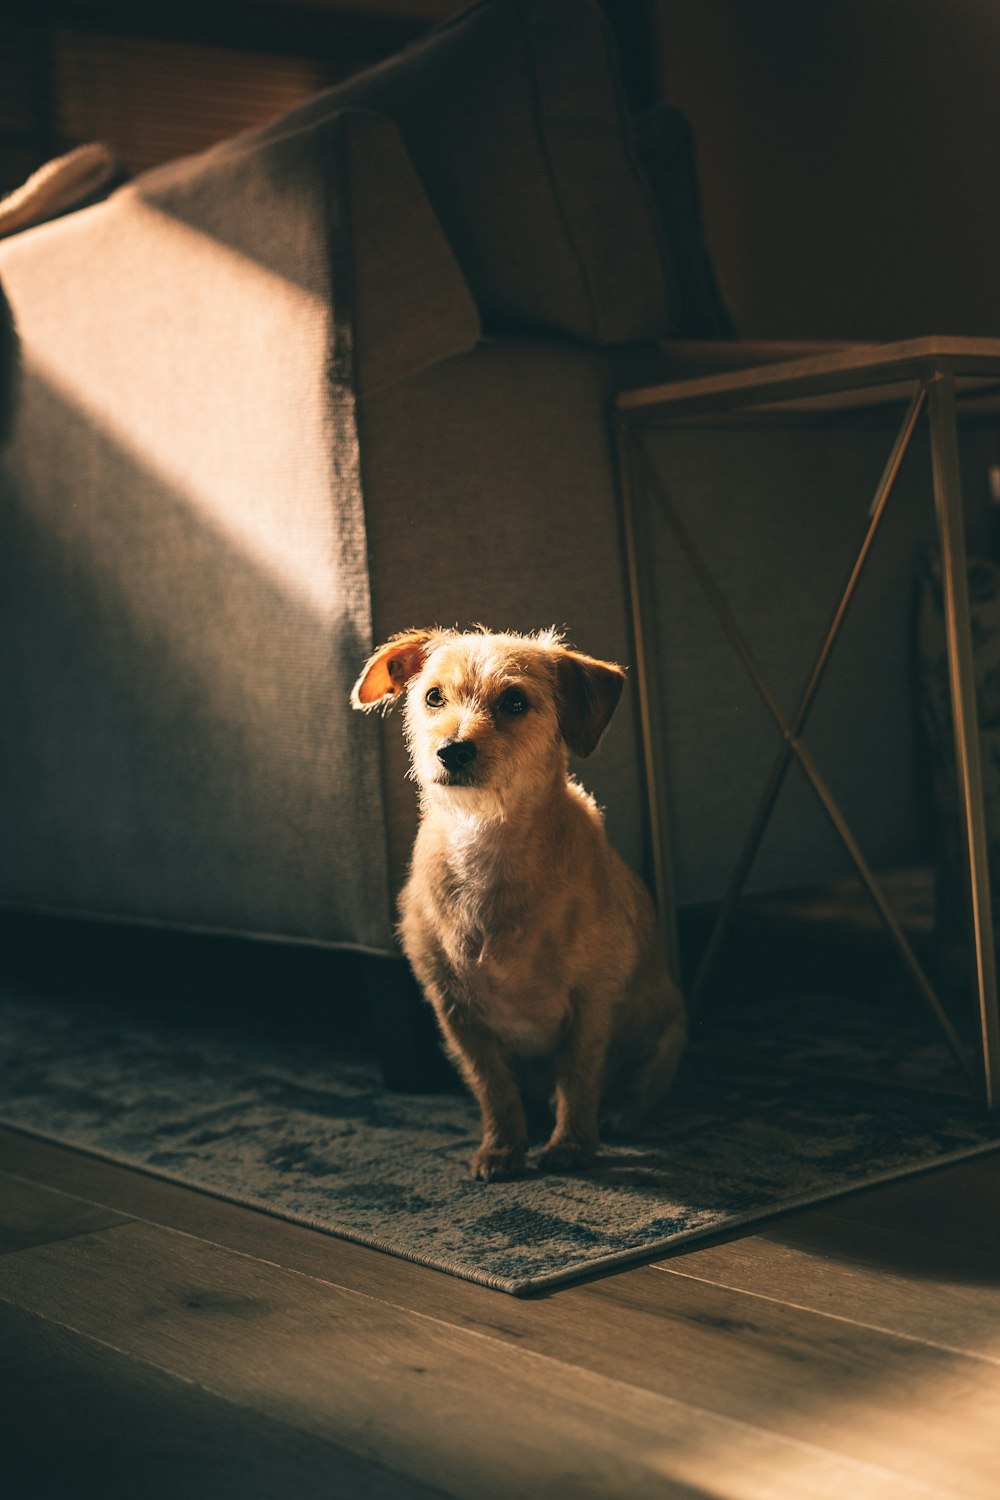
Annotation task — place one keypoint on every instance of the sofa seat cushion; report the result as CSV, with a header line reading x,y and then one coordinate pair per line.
x,y
513,116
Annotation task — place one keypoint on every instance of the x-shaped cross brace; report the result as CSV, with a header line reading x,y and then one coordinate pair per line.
x,y
935,390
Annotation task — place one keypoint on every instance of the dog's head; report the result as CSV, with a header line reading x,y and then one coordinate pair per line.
x,y
490,713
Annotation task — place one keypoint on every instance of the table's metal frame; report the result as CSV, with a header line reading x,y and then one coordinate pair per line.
x,y
927,372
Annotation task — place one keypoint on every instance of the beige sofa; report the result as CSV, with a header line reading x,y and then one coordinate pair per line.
x,y
349,373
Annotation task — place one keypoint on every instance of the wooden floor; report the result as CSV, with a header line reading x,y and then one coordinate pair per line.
x,y
157,1342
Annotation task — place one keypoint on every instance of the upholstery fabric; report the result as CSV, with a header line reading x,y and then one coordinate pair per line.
x,y
512,115
411,303
778,510
185,589
489,484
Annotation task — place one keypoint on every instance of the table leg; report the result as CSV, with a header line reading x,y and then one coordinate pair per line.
x,y
638,556
961,676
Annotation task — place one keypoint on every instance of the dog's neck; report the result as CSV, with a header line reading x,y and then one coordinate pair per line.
x,y
490,841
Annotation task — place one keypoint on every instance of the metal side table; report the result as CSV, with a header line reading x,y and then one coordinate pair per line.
x,y
930,374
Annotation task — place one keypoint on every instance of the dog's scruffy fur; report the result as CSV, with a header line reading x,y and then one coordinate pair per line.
x,y
530,937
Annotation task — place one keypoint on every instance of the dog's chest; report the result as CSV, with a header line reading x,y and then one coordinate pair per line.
x,y
507,986
495,939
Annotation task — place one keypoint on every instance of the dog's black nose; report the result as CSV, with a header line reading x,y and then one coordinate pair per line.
x,y
457,754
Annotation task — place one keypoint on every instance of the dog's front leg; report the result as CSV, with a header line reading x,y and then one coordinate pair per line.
x,y
579,1080
504,1146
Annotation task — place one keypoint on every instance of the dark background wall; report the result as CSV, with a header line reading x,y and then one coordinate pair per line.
x,y
850,159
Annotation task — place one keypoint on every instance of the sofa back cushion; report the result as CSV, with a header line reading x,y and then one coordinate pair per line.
x,y
513,117
402,300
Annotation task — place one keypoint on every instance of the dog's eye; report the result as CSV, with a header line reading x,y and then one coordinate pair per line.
x,y
513,702
434,698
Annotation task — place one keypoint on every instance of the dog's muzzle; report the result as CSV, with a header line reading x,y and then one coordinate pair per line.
x,y
457,756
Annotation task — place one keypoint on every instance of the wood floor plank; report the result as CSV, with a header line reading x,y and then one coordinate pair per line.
x,y
81,1421
155,1201
617,1327
31,1214
783,1372
467,1413
852,1389
988,1162
938,1292
959,1205
622,1334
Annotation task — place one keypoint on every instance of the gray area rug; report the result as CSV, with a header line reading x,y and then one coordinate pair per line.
x,y
769,1113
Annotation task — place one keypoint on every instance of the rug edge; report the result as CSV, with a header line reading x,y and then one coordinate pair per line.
x,y
620,1259
617,1260
177,1179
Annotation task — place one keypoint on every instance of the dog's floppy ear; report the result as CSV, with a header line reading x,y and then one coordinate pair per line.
x,y
588,691
386,674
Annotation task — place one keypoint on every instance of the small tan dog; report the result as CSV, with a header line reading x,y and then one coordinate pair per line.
x,y
530,937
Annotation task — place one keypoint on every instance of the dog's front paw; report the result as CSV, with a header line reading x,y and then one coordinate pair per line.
x,y
497,1163
566,1155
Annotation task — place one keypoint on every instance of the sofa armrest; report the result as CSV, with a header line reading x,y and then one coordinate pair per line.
x,y
184,594
409,303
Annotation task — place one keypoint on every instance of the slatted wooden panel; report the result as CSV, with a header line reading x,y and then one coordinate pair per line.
x,y
18,54
19,90
153,100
